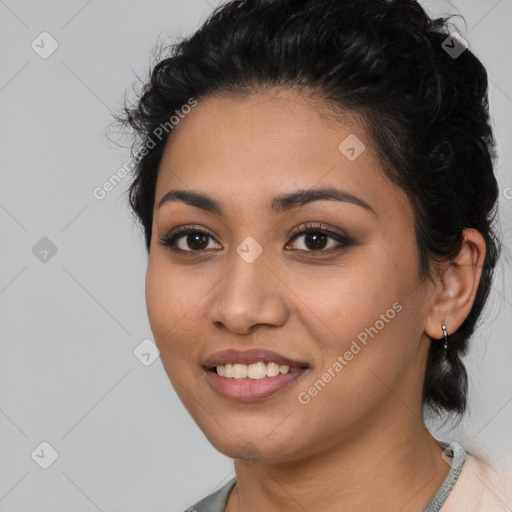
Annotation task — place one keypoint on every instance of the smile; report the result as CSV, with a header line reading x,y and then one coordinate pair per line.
x,y
252,374
258,370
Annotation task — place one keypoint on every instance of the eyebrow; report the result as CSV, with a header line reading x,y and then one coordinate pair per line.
x,y
279,204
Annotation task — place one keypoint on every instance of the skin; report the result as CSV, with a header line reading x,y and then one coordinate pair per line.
x,y
360,443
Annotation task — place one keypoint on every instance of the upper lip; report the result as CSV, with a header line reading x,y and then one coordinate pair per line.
x,y
250,356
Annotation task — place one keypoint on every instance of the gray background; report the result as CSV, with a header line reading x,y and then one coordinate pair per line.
x,y
70,324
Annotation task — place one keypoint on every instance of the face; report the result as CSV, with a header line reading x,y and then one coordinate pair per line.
x,y
343,301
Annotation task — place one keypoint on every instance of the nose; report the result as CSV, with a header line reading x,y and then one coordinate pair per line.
x,y
249,294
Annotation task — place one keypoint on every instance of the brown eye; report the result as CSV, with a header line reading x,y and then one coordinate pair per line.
x,y
195,241
186,240
316,239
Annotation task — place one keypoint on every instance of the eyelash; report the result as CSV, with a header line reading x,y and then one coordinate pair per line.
x,y
170,239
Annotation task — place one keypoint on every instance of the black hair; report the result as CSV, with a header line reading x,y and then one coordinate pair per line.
x,y
387,61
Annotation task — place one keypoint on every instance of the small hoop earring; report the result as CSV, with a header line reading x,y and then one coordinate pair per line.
x,y
445,333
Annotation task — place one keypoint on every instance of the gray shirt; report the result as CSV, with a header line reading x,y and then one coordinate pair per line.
x,y
216,502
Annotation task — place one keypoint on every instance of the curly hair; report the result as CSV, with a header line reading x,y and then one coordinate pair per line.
x,y
384,60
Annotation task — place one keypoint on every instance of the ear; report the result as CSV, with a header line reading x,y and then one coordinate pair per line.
x,y
456,286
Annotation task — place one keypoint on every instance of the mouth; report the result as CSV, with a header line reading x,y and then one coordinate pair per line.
x,y
252,374
255,371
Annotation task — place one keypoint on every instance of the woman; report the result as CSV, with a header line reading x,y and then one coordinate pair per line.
x,y
315,183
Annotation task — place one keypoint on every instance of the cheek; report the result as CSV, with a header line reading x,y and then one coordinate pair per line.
x,y
339,302
362,321
165,303
173,299
157,300
359,370
380,357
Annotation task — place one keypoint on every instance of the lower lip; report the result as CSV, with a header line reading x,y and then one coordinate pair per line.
x,y
251,389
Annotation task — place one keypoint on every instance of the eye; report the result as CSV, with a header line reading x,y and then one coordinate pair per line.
x,y
195,239
192,240
315,238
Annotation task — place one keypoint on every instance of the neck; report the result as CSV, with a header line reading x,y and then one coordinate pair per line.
x,y
396,468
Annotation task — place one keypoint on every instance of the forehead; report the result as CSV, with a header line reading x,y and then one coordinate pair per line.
x,y
278,122
245,149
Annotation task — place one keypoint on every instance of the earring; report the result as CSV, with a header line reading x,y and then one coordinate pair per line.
x,y
445,333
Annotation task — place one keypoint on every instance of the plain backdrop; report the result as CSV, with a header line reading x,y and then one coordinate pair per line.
x,y
72,268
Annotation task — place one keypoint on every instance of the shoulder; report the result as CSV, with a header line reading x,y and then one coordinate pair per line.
x,y
481,487
214,502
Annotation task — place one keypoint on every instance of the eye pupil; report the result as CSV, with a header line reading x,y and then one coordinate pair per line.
x,y
197,236
319,240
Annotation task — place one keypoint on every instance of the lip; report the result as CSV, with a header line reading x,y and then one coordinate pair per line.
x,y
250,356
251,389
247,390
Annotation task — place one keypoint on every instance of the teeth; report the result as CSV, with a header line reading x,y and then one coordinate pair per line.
x,y
239,371
258,370
228,371
273,369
